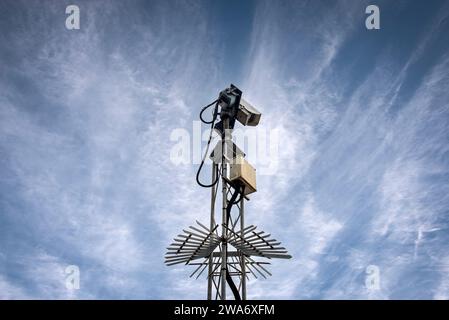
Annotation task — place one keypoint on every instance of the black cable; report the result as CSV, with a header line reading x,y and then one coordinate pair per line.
x,y
214,115
231,203
214,118
199,171
241,195
238,191
231,283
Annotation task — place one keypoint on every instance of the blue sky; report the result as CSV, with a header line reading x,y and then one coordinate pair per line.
x,y
85,123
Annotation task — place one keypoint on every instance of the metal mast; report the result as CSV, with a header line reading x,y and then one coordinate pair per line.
x,y
230,252
224,189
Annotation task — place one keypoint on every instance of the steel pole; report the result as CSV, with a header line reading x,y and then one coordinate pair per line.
x,y
224,232
212,225
242,256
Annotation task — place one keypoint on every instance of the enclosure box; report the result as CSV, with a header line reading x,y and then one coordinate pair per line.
x,y
241,171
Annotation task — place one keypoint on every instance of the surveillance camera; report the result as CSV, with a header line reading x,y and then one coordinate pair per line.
x,y
247,114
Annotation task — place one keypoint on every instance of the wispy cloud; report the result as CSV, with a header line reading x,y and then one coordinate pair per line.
x,y
85,123
99,181
344,150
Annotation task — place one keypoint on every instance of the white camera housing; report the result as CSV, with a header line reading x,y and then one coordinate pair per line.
x,y
247,114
